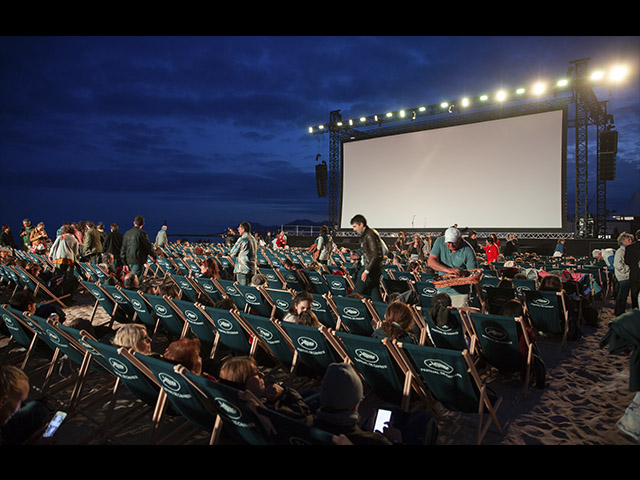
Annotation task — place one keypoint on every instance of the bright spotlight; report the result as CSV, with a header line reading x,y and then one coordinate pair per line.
x,y
539,88
484,98
520,91
444,105
597,75
501,96
465,102
562,83
618,73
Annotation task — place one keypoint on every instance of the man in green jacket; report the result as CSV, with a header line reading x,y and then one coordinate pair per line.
x,y
92,243
136,247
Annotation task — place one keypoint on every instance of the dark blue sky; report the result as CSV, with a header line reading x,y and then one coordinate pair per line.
x,y
205,132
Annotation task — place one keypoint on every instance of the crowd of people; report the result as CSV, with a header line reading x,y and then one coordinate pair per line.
x,y
126,260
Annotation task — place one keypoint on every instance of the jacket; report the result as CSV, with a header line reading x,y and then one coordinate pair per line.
x,y
372,250
136,247
65,247
92,242
245,250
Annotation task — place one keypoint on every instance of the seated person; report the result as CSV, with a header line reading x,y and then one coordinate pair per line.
x,y
135,337
186,352
301,303
398,324
440,312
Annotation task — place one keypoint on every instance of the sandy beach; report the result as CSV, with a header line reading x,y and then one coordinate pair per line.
x,y
586,393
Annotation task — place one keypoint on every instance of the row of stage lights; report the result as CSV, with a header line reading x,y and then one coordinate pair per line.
x,y
615,75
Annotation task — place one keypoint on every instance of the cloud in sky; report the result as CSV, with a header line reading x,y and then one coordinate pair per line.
x,y
105,128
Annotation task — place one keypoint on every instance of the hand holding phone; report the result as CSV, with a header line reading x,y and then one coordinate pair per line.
x,y
55,422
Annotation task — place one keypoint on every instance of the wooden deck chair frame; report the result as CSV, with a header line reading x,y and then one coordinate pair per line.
x,y
563,311
484,402
340,324
38,285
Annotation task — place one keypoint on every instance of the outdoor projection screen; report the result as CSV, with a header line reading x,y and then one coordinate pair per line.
x,y
503,174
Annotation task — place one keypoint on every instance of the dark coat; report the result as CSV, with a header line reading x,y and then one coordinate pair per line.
x,y
136,247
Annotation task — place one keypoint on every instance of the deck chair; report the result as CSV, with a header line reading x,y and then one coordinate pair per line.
x,y
426,291
288,431
452,379
180,393
124,311
496,297
452,336
273,340
522,284
231,333
208,288
352,314
35,286
376,365
228,288
338,285
320,306
143,310
499,338
401,275
186,287
312,347
279,298
273,279
103,299
255,301
167,315
235,417
292,280
316,281
24,335
547,312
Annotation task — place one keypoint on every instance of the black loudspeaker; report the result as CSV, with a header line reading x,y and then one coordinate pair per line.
x,y
321,179
607,166
609,141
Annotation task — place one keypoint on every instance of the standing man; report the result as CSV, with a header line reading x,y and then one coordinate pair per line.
x,y
136,247
451,254
632,258
245,250
161,237
92,243
113,244
621,272
373,253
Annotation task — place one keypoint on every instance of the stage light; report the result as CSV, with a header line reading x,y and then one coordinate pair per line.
x,y
484,98
562,83
350,122
465,102
422,109
539,88
363,119
339,124
501,96
597,75
520,91
618,73
389,115
402,113
444,105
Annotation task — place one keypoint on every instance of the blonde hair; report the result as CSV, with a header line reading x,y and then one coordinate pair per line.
x,y
238,369
130,335
11,379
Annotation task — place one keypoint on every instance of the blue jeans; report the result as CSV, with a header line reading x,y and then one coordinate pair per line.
x,y
137,269
624,287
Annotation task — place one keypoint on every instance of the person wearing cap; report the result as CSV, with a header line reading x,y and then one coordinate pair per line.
x,y
373,251
451,254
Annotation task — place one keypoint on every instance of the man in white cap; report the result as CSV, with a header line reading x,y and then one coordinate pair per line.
x,y
451,254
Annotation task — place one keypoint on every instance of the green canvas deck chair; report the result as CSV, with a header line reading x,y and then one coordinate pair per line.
x,y
87,272
235,417
338,285
167,315
312,347
279,298
124,312
320,306
165,266
352,314
453,380
181,394
144,311
499,338
273,279
209,289
228,288
103,299
375,364
522,284
292,280
316,281
186,287
451,336
497,297
199,323
231,332
547,312
36,286
270,337
426,291
24,336
289,431
255,301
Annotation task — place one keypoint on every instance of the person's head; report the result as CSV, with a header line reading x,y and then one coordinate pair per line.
x,y
324,230
243,373
186,352
5,228
130,281
512,308
625,239
302,302
308,318
26,222
551,283
138,221
473,234
288,264
341,388
164,227
100,226
114,227
90,225
134,336
244,227
23,301
258,279
359,223
441,299
398,318
40,226
14,389
597,254
453,239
